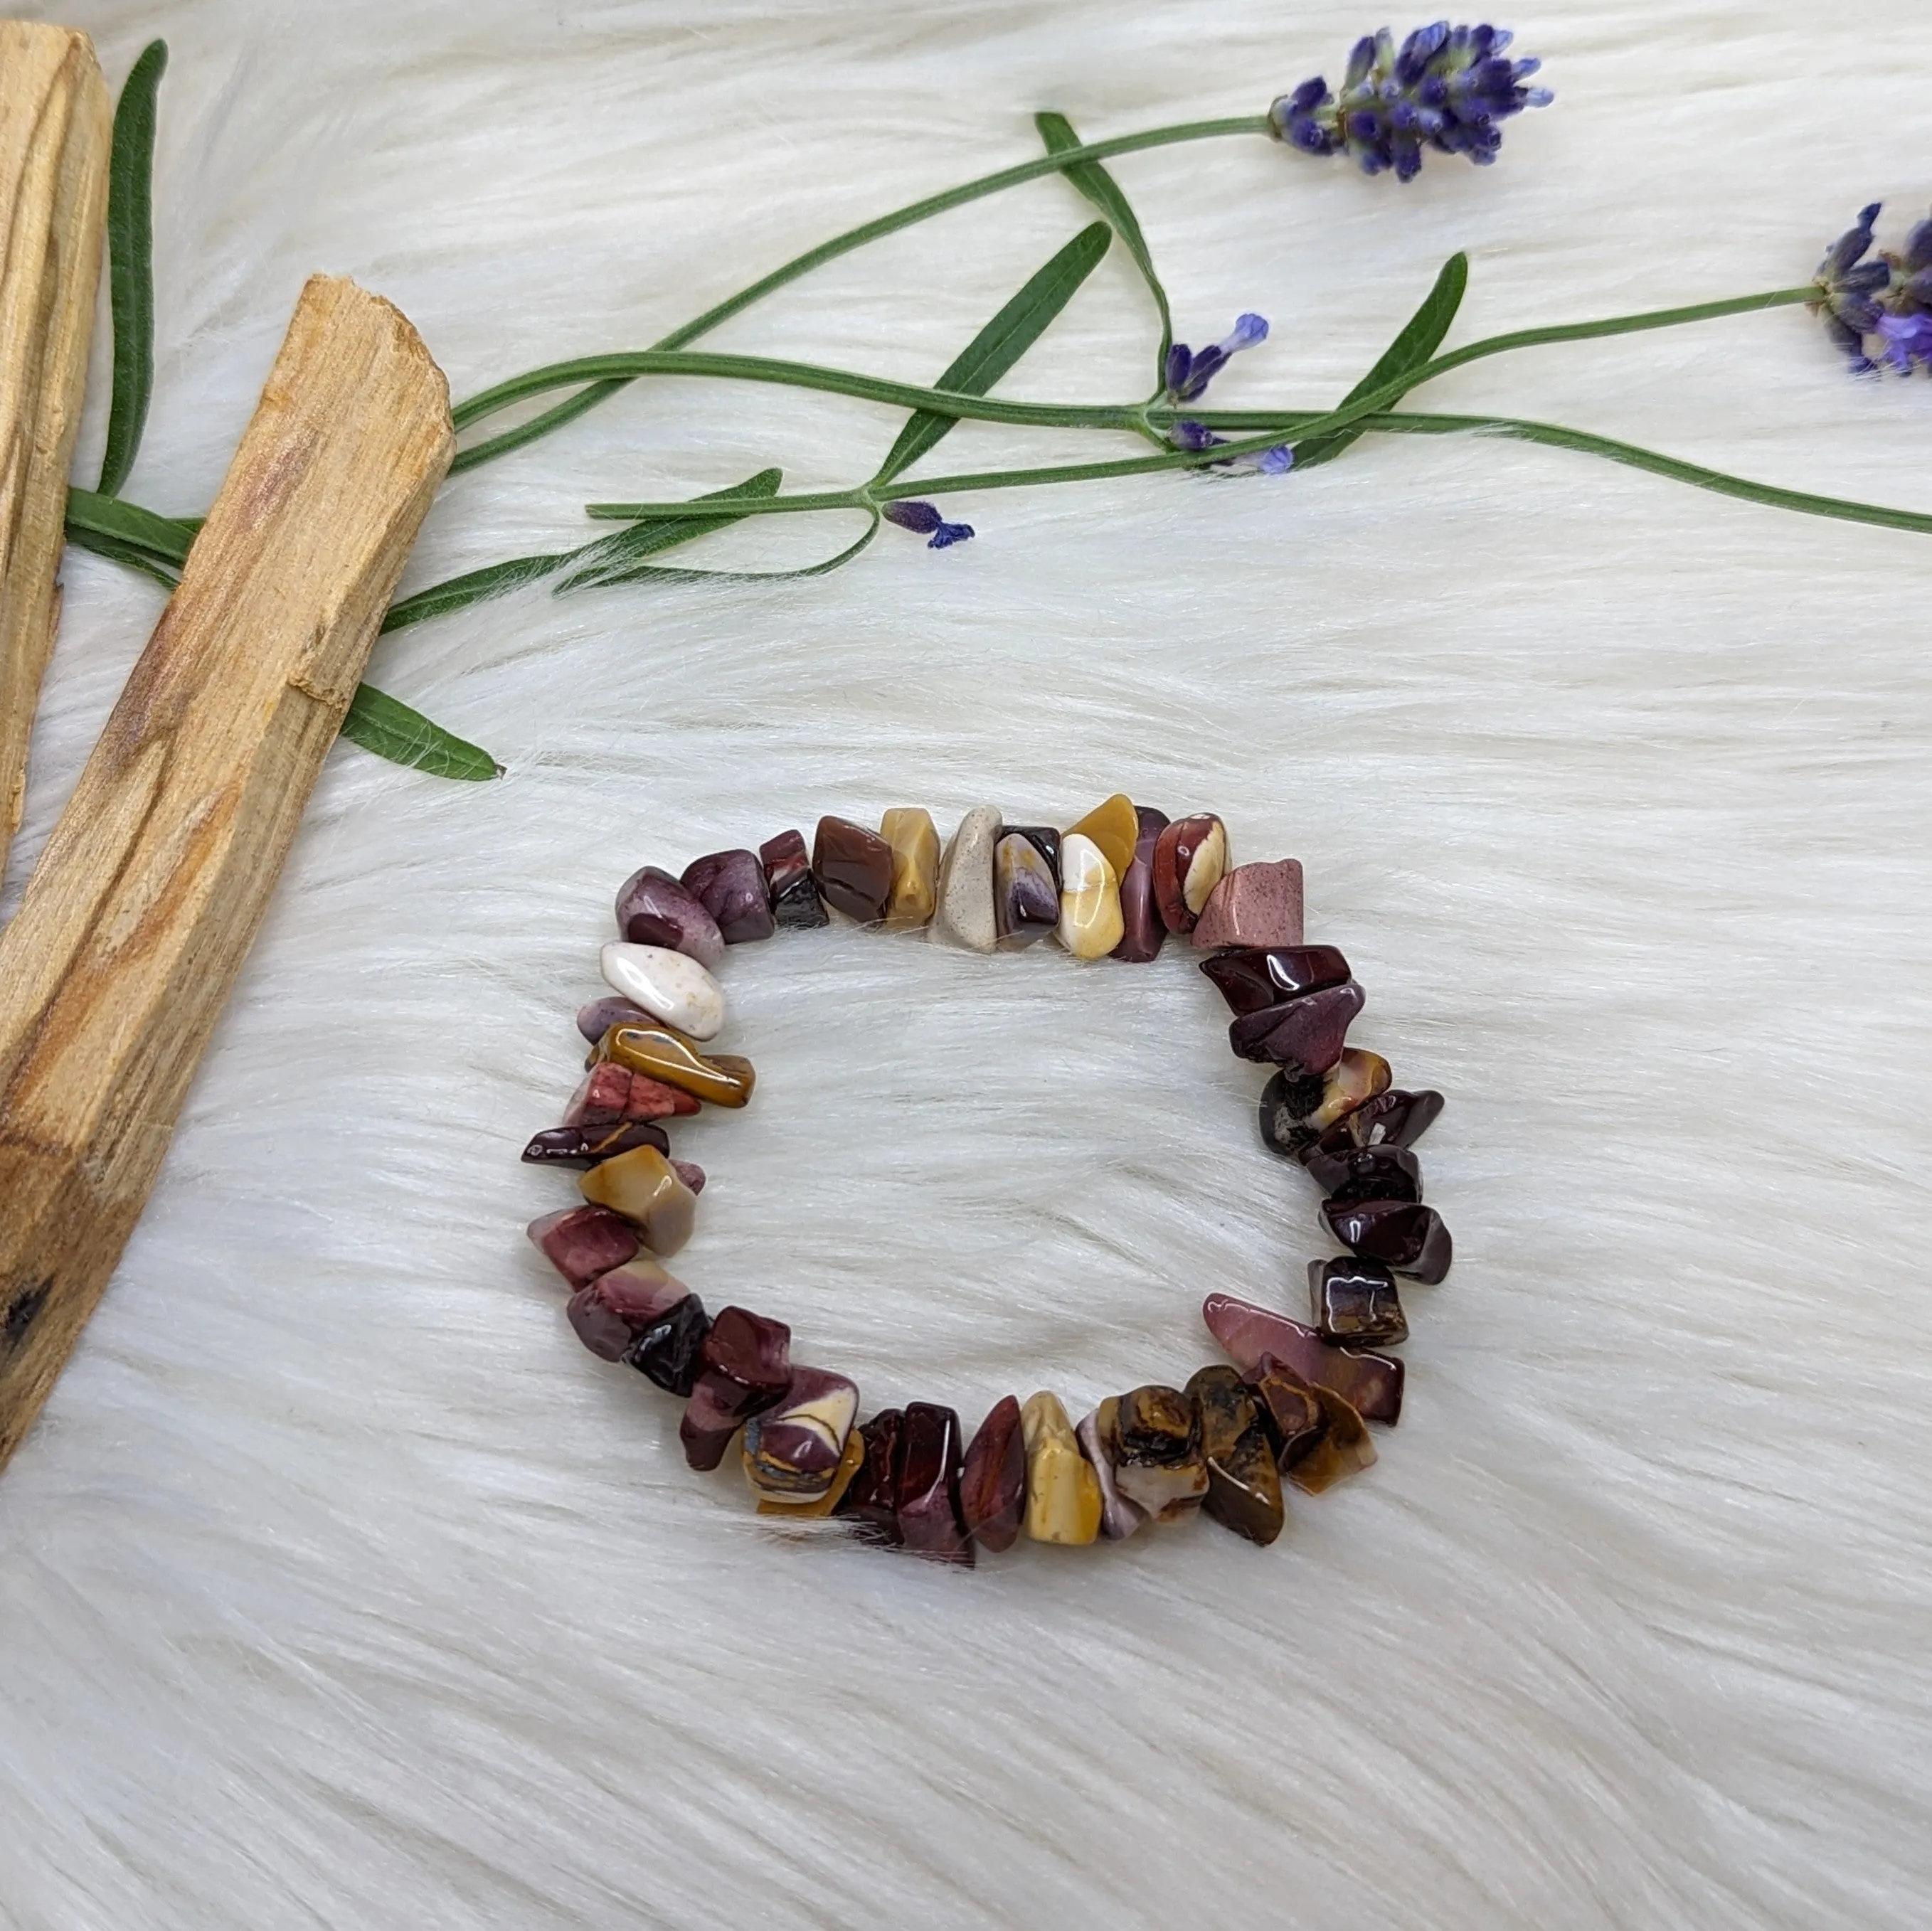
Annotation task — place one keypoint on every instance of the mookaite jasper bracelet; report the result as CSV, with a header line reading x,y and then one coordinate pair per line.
x,y
1295,1400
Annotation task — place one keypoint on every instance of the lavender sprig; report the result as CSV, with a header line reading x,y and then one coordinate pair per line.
x,y
1447,88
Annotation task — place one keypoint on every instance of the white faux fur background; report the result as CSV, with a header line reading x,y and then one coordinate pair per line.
x,y
340,1586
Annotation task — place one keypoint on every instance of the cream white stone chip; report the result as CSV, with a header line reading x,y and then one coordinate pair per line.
x,y
1091,924
669,985
966,881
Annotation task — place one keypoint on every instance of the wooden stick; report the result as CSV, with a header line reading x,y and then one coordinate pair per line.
x,y
139,913
55,132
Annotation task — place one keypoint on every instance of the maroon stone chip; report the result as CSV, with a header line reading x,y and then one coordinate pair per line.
x,y
992,1480
583,1242
1307,1033
1408,1238
1256,977
871,1498
654,909
929,1506
853,868
730,885
1143,930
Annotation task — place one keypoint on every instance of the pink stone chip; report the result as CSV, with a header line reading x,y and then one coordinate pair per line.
x,y
690,1172
1254,905
611,1094
1371,1384
581,1242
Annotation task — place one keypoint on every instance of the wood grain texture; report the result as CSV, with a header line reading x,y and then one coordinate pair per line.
x,y
55,131
146,901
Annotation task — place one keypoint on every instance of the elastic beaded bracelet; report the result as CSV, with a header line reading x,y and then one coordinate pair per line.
x,y
1116,885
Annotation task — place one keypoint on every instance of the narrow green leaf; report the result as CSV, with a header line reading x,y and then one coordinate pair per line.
x,y
130,263
614,560
384,724
473,587
1002,342
1421,336
168,537
131,556
1099,187
661,573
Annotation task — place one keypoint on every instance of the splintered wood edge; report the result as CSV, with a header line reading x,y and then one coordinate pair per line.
x,y
148,894
56,132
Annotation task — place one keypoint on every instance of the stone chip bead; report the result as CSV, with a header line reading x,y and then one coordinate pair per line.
x,y
1366,1173
795,901
1063,1491
1390,1118
1371,1383
1156,1448
872,1498
1190,858
1144,931
662,1053
654,909
992,1479
1026,893
1355,1301
794,1448
647,1190
850,1463
1341,1448
1046,840
671,987
908,829
1404,1236
931,1520
670,1353
1098,1435
611,1094
1115,827
582,1242
1294,1420
1256,977
616,1310
746,1368
1254,905
1356,1076
1287,1101
1307,1032
966,900
584,1146
596,1019
1090,900
853,868
1243,1478
730,885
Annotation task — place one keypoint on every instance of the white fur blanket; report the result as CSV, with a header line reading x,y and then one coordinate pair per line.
x,y
340,1586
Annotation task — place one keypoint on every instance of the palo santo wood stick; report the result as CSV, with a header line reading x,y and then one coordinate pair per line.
x,y
148,896
55,131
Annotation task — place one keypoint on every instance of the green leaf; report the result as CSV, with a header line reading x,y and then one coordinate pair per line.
x,y
659,573
130,263
168,537
1421,336
384,724
131,556
1002,342
1099,187
614,560
474,587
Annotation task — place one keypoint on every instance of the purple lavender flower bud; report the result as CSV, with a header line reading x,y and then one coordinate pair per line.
x,y
1445,87
1849,287
924,520
1189,374
1189,434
